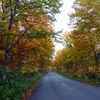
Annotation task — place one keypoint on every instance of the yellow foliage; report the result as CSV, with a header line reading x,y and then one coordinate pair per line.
x,y
92,69
80,70
99,69
19,23
36,69
2,52
25,69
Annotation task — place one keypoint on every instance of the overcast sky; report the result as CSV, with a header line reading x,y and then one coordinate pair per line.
x,y
63,19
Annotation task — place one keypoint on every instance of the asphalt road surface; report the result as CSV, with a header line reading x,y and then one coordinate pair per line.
x,y
56,87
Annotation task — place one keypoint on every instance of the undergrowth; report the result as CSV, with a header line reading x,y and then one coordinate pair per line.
x,y
16,84
89,78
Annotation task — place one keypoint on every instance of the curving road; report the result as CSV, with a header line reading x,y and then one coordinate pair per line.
x,y
56,87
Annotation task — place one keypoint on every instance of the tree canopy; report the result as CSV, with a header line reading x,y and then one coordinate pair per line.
x,y
82,45
24,23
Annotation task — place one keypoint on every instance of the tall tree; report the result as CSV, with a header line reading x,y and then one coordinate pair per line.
x,y
14,11
85,22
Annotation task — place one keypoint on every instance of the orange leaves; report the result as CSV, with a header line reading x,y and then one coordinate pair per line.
x,y
85,34
38,51
72,71
35,47
20,23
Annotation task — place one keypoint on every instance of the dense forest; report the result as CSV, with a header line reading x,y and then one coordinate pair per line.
x,y
81,52
26,43
26,34
27,47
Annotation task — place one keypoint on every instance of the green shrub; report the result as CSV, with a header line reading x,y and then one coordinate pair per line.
x,y
84,77
16,84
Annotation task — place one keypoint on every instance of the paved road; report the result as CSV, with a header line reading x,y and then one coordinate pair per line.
x,y
56,87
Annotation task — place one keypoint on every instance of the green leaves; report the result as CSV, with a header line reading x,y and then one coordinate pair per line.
x,y
13,88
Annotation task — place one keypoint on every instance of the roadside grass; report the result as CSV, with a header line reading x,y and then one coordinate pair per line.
x,y
16,84
83,77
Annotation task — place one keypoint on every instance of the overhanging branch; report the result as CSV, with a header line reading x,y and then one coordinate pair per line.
x,y
19,38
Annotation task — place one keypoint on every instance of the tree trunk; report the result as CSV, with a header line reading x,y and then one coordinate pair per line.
x,y
0,34
13,12
97,58
6,57
43,67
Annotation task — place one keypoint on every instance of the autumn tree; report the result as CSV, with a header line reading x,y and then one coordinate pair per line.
x,y
58,62
41,53
16,11
85,22
64,58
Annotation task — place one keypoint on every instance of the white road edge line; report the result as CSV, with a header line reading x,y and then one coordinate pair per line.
x,y
67,87
56,79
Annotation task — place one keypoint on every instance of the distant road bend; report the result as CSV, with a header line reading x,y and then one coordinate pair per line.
x,y
56,87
